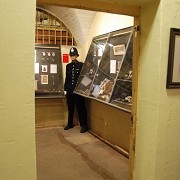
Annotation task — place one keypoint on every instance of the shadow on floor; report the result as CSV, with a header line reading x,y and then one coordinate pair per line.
x,y
71,155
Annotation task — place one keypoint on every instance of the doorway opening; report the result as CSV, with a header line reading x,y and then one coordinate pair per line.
x,y
96,105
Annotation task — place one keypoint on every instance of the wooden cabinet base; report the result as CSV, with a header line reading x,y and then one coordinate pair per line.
x,y
50,112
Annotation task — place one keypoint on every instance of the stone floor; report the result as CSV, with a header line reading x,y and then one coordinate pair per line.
x,y
71,155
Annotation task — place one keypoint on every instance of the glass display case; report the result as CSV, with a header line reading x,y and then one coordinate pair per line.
x,y
48,71
107,72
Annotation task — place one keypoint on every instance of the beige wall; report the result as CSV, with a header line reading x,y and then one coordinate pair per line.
x,y
168,148
158,126
148,92
17,132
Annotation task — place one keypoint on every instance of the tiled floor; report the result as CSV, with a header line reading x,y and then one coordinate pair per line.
x,y
71,155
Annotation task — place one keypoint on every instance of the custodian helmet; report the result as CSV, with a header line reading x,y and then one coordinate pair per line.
x,y
73,51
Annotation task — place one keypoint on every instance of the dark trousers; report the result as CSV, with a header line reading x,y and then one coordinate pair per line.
x,y
74,100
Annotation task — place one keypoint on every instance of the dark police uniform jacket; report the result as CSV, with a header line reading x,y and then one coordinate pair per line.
x,y
73,70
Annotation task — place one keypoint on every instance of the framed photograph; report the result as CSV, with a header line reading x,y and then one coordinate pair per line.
x,y
119,49
173,71
44,79
44,68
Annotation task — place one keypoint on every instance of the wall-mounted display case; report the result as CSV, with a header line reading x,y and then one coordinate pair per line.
x,y
107,71
48,71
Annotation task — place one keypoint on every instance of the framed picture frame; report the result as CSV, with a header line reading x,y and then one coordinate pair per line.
x,y
44,79
119,49
173,71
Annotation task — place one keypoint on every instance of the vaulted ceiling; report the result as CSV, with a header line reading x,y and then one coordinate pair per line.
x,y
78,21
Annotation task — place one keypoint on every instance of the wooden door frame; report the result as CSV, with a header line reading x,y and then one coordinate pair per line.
x,y
136,45
121,9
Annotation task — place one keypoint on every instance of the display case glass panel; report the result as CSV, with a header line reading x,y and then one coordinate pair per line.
x,y
110,64
48,71
94,55
108,78
122,92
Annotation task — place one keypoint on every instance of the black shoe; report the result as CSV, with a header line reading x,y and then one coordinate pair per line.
x,y
83,129
68,127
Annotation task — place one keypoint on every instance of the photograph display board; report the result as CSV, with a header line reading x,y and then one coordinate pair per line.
x,y
107,72
48,71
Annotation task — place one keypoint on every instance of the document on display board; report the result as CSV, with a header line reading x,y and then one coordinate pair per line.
x,y
96,91
34,55
100,52
53,68
113,66
36,68
86,81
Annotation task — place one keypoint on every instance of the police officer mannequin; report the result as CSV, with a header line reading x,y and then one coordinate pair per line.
x,y
73,70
